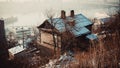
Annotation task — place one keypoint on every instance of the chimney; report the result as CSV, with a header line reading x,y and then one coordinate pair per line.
x,y
63,14
72,23
72,13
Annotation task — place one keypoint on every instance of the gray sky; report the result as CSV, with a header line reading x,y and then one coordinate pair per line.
x,y
26,10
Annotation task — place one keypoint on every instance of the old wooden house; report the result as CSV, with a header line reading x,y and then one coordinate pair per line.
x,y
66,30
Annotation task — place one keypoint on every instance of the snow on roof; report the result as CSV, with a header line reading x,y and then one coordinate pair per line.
x,y
16,49
91,36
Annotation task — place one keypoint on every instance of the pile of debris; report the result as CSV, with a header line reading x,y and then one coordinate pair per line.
x,y
64,61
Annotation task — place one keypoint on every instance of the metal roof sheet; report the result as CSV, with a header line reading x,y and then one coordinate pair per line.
x,y
91,36
58,23
80,22
80,31
16,49
104,20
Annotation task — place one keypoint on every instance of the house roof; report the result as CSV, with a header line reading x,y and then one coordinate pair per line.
x,y
78,29
16,49
81,31
104,20
91,36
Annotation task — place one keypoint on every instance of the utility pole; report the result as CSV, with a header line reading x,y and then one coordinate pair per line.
x,y
23,36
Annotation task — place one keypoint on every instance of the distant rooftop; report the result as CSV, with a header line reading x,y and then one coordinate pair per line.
x,y
16,49
101,15
104,20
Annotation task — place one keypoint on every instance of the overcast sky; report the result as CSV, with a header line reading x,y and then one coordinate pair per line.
x,y
33,11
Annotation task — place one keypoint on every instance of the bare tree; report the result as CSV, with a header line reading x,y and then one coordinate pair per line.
x,y
50,14
67,38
